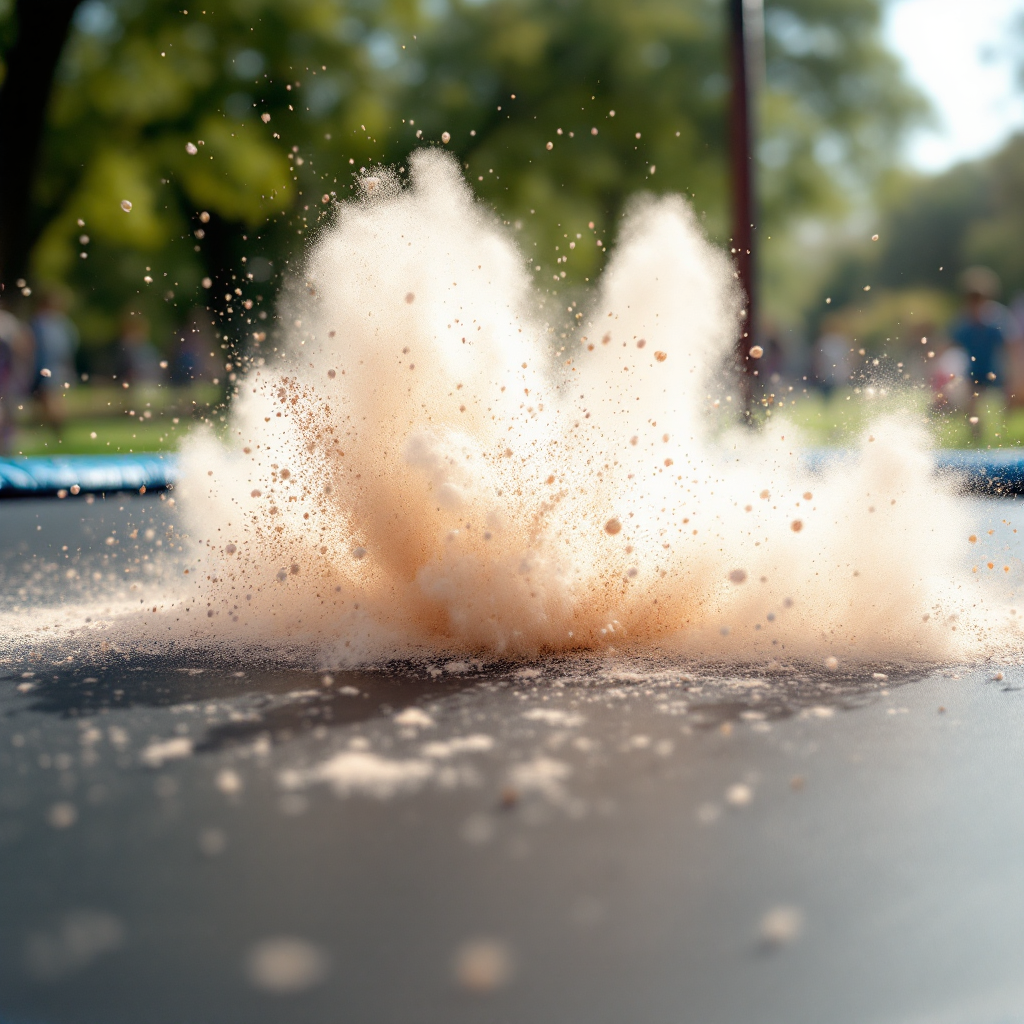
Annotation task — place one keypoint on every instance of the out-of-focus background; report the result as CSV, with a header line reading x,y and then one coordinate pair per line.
x,y
163,166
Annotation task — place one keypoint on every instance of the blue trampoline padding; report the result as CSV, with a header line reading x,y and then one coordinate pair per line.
x,y
48,474
991,471
984,471
999,471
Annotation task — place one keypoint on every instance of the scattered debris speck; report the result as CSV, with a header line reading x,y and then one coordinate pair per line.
x,y
213,841
473,744
154,755
80,938
739,795
553,716
483,965
415,718
359,771
228,781
285,965
62,814
780,926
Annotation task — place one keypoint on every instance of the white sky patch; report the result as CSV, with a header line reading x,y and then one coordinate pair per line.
x,y
960,55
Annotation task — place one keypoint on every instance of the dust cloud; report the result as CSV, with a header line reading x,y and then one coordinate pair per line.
x,y
442,461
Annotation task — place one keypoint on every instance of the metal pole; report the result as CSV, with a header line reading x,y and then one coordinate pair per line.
x,y
746,49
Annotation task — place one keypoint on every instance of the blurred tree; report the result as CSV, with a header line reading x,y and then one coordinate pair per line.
x,y
633,96
837,107
932,228
30,61
995,238
182,115
925,222
168,109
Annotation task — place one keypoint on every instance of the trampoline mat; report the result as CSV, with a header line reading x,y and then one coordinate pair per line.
x,y
591,841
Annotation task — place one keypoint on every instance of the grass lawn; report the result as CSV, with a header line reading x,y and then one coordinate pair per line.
x,y
840,419
95,436
115,421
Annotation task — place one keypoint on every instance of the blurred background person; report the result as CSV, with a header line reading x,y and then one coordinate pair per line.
x,y
15,357
194,359
773,362
56,343
984,330
832,365
138,362
948,373
1014,387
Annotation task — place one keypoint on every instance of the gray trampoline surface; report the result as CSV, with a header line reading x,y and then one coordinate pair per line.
x,y
581,842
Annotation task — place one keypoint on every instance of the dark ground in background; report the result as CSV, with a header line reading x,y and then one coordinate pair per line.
x,y
630,890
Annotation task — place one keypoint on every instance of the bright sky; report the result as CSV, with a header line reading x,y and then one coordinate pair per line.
x,y
959,53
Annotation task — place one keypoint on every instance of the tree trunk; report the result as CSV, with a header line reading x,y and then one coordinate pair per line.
x,y
42,28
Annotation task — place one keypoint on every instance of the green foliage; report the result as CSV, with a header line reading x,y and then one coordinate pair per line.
x,y
836,108
840,419
932,228
995,238
893,321
926,224
348,82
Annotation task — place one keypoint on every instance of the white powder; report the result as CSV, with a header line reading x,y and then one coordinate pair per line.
x,y
362,772
542,775
415,718
439,469
553,716
81,937
284,964
160,751
473,744
781,926
442,463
